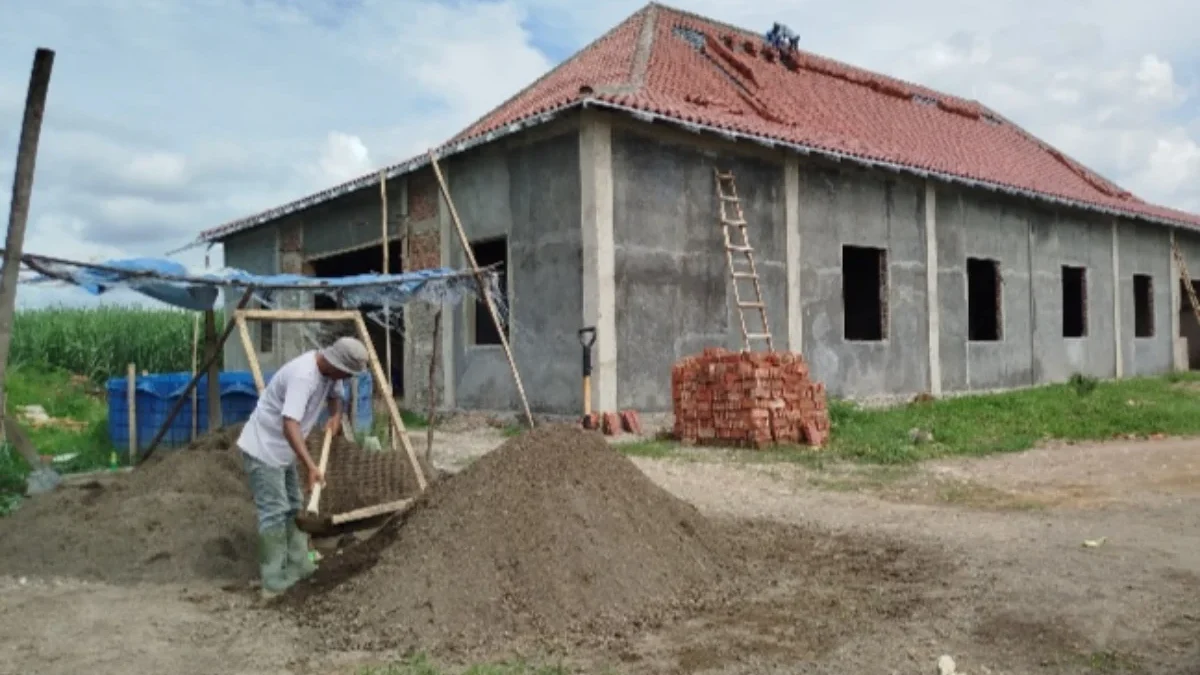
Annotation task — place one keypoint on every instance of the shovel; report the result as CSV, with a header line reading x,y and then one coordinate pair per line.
x,y
41,477
308,520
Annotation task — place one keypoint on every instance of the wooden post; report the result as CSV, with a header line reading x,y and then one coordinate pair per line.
x,y
212,354
487,296
18,215
195,357
251,356
131,399
387,312
433,359
210,360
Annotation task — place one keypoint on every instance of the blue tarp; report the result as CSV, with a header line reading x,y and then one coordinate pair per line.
x,y
168,281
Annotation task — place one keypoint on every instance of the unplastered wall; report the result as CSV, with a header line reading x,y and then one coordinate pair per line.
x,y
673,293
1189,329
844,205
528,190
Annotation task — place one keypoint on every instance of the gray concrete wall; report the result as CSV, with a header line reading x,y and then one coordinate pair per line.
x,y
1070,238
527,190
1145,249
973,224
848,206
674,296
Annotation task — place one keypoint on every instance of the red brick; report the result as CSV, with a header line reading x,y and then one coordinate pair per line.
x,y
591,421
611,424
630,422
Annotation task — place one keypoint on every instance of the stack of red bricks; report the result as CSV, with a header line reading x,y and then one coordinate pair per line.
x,y
748,399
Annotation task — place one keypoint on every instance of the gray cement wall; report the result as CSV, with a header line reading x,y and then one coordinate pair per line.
x,y
528,192
255,251
673,292
848,206
1068,238
1145,249
972,224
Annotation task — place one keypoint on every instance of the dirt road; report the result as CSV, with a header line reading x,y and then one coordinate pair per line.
x,y
981,559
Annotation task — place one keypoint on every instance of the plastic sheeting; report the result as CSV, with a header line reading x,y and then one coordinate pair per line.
x,y
169,282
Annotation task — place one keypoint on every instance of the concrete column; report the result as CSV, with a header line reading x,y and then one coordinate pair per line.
x,y
1116,269
1178,348
447,241
933,306
791,194
599,288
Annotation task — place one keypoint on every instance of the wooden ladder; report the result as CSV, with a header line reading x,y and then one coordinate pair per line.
x,y
1187,281
727,196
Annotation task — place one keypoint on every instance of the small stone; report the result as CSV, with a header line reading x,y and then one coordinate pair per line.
x,y
945,665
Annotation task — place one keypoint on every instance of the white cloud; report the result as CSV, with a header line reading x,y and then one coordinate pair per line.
x,y
180,116
343,157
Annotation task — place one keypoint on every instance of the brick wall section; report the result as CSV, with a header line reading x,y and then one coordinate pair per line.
x,y
747,400
425,251
422,195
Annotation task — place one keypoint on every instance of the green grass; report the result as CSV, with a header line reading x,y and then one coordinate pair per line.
x,y
62,396
421,665
1082,409
99,343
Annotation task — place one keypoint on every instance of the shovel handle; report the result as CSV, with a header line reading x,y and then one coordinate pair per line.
x,y
321,464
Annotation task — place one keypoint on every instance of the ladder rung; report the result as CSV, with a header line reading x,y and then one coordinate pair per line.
x,y
725,176
734,247
745,275
758,336
729,198
756,305
735,223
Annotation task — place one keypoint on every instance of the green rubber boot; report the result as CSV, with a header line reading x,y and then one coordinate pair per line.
x,y
272,561
299,564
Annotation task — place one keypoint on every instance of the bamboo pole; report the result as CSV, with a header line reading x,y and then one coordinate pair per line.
x,y
18,215
210,361
212,353
387,307
131,398
433,359
487,296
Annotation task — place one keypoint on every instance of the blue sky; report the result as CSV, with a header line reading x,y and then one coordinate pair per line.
x,y
167,117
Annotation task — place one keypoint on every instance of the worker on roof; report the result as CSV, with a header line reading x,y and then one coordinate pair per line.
x,y
274,438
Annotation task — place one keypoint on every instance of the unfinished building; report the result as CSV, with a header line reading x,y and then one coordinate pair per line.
x,y
907,240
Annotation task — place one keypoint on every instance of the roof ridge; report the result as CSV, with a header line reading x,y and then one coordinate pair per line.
x,y
640,62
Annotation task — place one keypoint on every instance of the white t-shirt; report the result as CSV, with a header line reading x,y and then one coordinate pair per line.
x,y
297,390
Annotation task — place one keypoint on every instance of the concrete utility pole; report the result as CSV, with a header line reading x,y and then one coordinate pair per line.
x,y
42,478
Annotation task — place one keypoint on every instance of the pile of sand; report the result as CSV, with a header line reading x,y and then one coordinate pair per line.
x,y
183,515
553,532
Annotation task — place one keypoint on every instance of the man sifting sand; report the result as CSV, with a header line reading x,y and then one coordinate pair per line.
x,y
274,437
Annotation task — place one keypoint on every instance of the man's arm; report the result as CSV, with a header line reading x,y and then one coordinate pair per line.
x,y
295,400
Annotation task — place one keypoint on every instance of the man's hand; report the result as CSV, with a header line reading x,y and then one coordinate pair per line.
x,y
315,477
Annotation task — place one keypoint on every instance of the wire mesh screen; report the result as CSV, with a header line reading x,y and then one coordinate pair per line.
x,y
356,478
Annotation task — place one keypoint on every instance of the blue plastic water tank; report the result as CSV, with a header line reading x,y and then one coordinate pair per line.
x,y
157,393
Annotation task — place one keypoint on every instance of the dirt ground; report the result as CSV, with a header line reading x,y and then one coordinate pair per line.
x,y
1073,559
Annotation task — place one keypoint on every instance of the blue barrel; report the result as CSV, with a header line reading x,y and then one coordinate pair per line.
x,y
157,393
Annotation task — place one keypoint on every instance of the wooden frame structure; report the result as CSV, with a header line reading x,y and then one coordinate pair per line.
x,y
242,316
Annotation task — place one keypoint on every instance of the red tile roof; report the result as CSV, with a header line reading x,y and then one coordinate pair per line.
x,y
692,70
